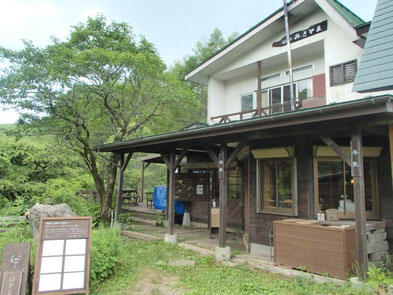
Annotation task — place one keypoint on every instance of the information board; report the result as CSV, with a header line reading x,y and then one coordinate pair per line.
x,y
63,256
192,187
15,269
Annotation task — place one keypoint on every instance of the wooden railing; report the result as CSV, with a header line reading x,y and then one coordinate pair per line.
x,y
270,110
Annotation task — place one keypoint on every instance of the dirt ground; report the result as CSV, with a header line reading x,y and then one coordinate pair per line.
x,y
156,283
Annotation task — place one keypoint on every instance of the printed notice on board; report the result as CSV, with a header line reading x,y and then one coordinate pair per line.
x,y
199,189
64,257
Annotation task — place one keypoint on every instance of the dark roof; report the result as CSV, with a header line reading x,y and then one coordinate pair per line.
x,y
348,14
375,71
235,130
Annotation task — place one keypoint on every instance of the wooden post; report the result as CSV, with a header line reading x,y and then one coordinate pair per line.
x,y
120,187
223,177
357,170
259,90
143,180
122,168
172,163
171,192
391,149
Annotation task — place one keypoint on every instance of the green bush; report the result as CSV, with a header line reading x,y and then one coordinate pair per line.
x,y
65,191
105,253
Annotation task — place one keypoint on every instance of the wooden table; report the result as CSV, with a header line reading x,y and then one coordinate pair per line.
x,y
130,197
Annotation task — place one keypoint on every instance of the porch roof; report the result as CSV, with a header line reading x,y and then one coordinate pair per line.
x,y
291,123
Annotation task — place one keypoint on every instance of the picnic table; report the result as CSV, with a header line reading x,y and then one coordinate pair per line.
x,y
130,197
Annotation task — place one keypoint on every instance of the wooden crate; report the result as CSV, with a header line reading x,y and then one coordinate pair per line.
x,y
315,246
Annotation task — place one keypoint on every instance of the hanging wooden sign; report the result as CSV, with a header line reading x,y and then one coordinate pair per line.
x,y
63,256
300,35
15,269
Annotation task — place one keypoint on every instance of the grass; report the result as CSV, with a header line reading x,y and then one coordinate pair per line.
x,y
206,277
145,265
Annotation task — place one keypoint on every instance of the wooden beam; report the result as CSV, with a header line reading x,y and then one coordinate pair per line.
x,y
234,153
165,158
126,162
212,154
357,171
259,89
223,176
180,158
119,196
342,154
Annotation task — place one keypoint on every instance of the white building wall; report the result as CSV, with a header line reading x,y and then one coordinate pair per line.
x,y
234,89
216,98
226,88
340,49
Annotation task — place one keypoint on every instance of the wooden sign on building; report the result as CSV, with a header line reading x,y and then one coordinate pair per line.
x,y
15,269
63,256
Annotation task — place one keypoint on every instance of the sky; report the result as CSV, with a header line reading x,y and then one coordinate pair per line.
x,y
174,26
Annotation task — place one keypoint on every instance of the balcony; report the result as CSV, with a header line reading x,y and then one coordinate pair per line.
x,y
273,109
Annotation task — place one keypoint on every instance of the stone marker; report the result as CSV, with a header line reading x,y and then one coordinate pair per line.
x,y
38,211
15,269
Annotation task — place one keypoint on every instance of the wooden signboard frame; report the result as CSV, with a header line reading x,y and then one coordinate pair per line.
x,y
66,232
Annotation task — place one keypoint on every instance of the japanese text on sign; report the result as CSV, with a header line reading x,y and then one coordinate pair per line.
x,y
311,31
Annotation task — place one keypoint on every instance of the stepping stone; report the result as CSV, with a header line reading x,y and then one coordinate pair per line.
x,y
182,262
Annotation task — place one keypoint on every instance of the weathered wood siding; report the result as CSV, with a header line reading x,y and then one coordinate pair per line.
x,y
199,211
385,191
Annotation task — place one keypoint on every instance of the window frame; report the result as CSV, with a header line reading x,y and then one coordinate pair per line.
x,y
254,101
281,86
349,215
260,198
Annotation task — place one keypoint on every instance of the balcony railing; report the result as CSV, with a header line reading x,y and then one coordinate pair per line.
x,y
266,111
270,110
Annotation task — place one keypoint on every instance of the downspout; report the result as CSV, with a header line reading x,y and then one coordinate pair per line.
x,y
289,53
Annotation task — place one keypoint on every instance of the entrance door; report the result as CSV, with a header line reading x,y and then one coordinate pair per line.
x,y
335,187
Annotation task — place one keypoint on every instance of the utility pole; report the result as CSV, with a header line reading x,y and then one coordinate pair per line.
x,y
289,53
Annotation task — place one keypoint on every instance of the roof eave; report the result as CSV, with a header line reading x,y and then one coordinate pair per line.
x,y
365,106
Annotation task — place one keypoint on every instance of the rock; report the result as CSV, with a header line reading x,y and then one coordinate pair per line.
x,y
182,262
38,211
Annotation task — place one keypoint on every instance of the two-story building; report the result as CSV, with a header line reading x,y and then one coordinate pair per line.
x,y
267,156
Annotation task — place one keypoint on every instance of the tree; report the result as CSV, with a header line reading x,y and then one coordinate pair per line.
x,y
100,85
202,51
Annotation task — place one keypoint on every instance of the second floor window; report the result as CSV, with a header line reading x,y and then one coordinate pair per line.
x,y
343,73
248,102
